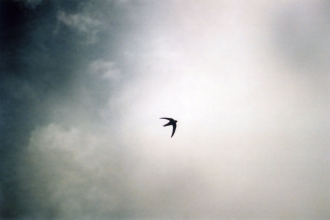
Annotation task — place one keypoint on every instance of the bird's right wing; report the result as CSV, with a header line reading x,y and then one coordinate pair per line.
x,y
167,118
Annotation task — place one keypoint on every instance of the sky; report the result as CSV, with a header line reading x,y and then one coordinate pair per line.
x,y
84,84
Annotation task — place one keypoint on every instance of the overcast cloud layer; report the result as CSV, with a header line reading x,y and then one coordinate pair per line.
x,y
84,83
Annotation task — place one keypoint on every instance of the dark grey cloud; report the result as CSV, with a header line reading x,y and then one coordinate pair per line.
x,y
46,48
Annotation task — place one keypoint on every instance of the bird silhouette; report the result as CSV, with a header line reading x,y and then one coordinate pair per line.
x,y
171,122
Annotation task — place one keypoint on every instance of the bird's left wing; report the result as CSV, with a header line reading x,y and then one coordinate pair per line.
x,y
174,127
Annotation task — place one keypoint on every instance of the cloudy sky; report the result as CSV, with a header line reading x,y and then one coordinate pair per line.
x,y
84,83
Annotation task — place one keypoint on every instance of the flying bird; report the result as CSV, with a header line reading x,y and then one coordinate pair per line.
x,y
171,122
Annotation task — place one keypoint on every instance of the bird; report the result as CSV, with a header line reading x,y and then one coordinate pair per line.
x,y
171,122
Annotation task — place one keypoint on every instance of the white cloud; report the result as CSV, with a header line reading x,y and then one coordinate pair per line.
x,y
251,139
78,170
83,23
105,69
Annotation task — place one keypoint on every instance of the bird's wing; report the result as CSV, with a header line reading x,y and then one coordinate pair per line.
x,y
174,127
167,118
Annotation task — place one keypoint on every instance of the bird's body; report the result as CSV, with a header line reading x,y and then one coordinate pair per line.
x,y
171,122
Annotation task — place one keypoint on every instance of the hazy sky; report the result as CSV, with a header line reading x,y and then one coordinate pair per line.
x,y
84,83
